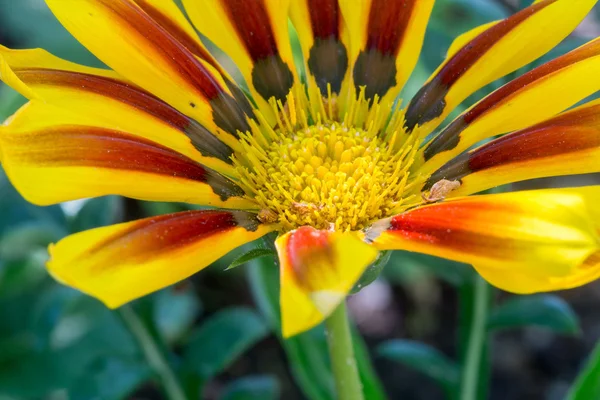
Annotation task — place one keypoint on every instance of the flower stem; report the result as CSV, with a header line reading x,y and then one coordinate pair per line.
x,y
477,338
154,356
341,351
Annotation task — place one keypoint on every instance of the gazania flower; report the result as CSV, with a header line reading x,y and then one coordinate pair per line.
x,y
324,156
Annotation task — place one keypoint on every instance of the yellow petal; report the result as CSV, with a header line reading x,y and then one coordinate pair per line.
x,y
530,238
567,144
151,58
318,269
52,155
120,263
386,37
494,52
529,99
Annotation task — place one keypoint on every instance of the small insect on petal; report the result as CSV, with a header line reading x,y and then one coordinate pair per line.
x,y
440,190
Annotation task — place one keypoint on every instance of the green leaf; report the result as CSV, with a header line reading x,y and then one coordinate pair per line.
x,y
22,276
423,358
110,379
174,312
372,272
100,211
251,255
15,210
406,267
252,388
547,311
587,384
221,339
21,241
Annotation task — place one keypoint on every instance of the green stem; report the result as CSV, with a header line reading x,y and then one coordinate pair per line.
x,y
341,351
480,303
154,356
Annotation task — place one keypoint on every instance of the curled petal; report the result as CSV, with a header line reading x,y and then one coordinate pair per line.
x,y
120,263
318,269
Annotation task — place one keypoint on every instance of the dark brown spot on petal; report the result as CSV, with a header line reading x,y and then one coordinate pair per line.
x,y
328,62
208,144
428,104
376,71
447,139
272,77
228,115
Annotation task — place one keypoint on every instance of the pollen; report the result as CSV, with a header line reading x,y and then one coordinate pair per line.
x,y
327,174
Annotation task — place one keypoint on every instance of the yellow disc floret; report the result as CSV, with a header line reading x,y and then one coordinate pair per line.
x,y
327,175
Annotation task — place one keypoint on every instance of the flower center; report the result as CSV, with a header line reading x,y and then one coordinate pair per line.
x,y
326,175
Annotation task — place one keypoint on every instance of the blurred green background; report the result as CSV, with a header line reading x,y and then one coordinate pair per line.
x,y
217,333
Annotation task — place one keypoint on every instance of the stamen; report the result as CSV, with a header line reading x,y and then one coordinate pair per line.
x,y
328,174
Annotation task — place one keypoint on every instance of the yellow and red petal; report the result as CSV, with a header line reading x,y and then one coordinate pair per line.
x,y
168,15
386,39
103,95
529,99
325,46
152,58
120,263
52,155
564,145
530,238
317,269
255,35
486,54
524,283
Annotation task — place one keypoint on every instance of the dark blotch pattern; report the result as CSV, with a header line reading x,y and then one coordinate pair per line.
x,y
428,104
454,170
228,115
208,144
328,62
111,149
447,139
272,77
376,71
205,142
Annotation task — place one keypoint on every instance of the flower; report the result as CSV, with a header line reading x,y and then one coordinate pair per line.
x,y
330,162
